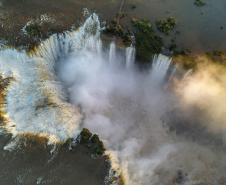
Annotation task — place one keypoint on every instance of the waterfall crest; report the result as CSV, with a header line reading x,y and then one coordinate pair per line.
x,y
73,69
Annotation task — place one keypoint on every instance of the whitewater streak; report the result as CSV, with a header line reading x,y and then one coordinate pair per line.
x,y
121,104
36,102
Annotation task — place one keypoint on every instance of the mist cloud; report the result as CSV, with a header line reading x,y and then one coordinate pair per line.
x,y
124,106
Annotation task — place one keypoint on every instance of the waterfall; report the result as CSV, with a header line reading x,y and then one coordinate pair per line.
x,y
130,56
99,48
36,102
112,53
125,107
71,70
160,67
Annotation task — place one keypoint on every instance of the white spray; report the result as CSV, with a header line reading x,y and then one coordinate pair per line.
x,y
112,53
122,105
130,56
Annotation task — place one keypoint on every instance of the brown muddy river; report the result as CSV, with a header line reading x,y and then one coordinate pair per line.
x,y
33,164
198,28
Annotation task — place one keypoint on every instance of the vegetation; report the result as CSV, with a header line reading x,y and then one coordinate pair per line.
x,y
116,29
188,61
199,3
97,145
147,42
33,30
166,25
85,136
92,141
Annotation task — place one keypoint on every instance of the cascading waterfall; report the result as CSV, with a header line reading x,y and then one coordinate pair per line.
x,y
160,67
36,102
99,47
122,105
36,93
130,56
112,53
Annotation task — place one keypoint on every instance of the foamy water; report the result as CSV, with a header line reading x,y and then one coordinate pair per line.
x,y
118,102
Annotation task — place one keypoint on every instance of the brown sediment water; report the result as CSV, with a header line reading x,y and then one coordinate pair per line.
x,y
32,163
198,28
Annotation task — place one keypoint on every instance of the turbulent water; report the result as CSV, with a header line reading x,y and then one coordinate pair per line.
x,y
73,81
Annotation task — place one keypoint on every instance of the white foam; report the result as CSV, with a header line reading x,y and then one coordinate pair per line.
x,y
130,56
122,105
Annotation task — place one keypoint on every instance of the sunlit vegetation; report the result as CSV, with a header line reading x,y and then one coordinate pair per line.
x,y
192,61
